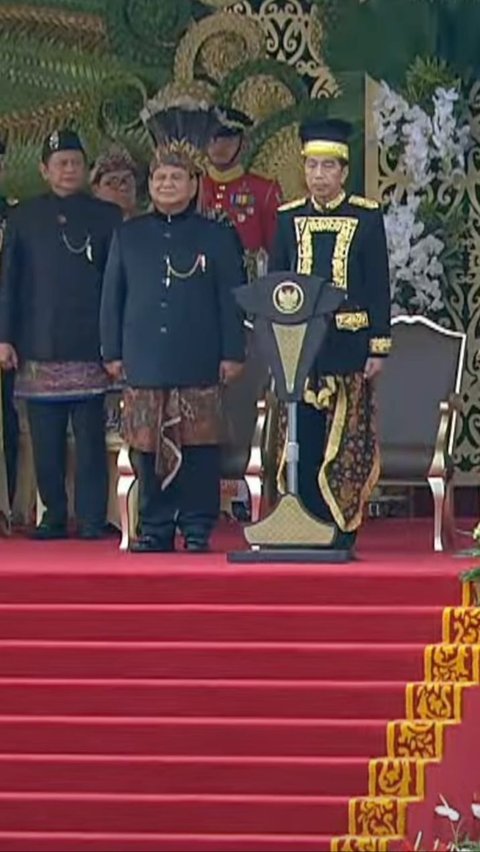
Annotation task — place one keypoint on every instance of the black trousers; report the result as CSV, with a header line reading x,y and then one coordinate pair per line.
x,y
10,431
48,427
191,502
311,439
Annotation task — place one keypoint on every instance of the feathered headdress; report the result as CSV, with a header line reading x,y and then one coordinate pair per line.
x,y
181,128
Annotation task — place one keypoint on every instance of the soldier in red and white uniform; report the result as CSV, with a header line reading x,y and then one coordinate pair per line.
x,y
249,200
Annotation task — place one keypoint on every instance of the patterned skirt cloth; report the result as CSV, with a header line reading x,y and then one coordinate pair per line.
x,y
164,421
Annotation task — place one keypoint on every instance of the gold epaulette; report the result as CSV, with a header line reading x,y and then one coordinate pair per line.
x,y
367,203
290,205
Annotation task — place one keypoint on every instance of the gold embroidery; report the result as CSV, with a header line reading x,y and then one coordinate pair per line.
x,y
344,227
380,345
290,205
330,205
325,148
366,203
354,321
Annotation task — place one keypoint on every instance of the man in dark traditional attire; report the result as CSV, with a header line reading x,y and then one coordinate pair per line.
x,y
114,178
170,323
9,418
342,239
249,200
55,251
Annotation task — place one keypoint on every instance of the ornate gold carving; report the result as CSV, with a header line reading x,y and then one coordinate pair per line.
x,y
453,663
441,701
307,226
289,341
415,739
461,625
361,844
280,158
380,345
41,120
227,31
290,525
397,777
261,96
83,30
354,321
293,36
377,817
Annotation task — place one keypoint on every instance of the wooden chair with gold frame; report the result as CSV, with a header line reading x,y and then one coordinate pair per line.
x,y
418,405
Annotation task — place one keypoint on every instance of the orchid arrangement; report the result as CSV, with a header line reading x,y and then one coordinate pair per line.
x,y
457,843
425,144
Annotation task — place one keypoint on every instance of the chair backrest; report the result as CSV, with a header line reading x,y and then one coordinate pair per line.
x,y
240,412
424,369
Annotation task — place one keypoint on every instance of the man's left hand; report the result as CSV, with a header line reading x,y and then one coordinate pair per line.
x,y
229,371
373,368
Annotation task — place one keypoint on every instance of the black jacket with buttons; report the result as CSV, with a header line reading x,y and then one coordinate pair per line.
x,y
344,243
53,259
168,310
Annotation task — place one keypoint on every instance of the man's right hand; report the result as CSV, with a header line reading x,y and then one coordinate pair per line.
x,y
8,357
114,370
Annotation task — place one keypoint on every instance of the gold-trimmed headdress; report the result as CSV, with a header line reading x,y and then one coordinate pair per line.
x,y
115,158
326,138
181,128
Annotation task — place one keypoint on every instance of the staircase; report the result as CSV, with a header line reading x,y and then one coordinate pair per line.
x,y
150,705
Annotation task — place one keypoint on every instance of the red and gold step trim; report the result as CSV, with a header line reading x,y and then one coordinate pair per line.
x,y
379,821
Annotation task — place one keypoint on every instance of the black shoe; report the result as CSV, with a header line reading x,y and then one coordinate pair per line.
x,y
49,532
91,533
197,545
152,544
345,541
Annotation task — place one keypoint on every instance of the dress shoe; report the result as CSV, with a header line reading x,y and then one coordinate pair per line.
x,y
152,544
49,532
91,533
196,545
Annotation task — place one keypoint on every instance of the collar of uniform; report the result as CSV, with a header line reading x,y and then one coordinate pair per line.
x,y
175,217
330,205
227,176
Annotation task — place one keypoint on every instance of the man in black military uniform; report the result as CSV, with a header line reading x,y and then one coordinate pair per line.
x,y
169,321
54,255
342,239
9,415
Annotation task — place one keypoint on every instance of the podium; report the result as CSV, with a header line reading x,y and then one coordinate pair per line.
x,y
291,314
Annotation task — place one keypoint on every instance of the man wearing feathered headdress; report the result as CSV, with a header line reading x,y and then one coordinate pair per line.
x,y
169,323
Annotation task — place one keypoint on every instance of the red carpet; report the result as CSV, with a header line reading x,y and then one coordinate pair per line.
x,y
184,704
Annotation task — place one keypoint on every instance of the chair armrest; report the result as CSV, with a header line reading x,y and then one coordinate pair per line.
x,y
439,463
255,461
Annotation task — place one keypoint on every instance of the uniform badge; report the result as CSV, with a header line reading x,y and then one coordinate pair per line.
x,y
54,141
288,297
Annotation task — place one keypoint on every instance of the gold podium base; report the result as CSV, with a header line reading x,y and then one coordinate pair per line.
x,y
290,534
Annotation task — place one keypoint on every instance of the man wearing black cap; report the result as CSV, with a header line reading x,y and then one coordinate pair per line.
x,y
55,250
250,201
170,323
342,239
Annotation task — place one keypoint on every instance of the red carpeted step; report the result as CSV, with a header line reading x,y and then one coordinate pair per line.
x,y
60,573
211,660
170,814
221,623
163,736
76,842
333,699
184,775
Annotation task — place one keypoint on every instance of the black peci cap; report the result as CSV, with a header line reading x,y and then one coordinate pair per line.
x,y
61,140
